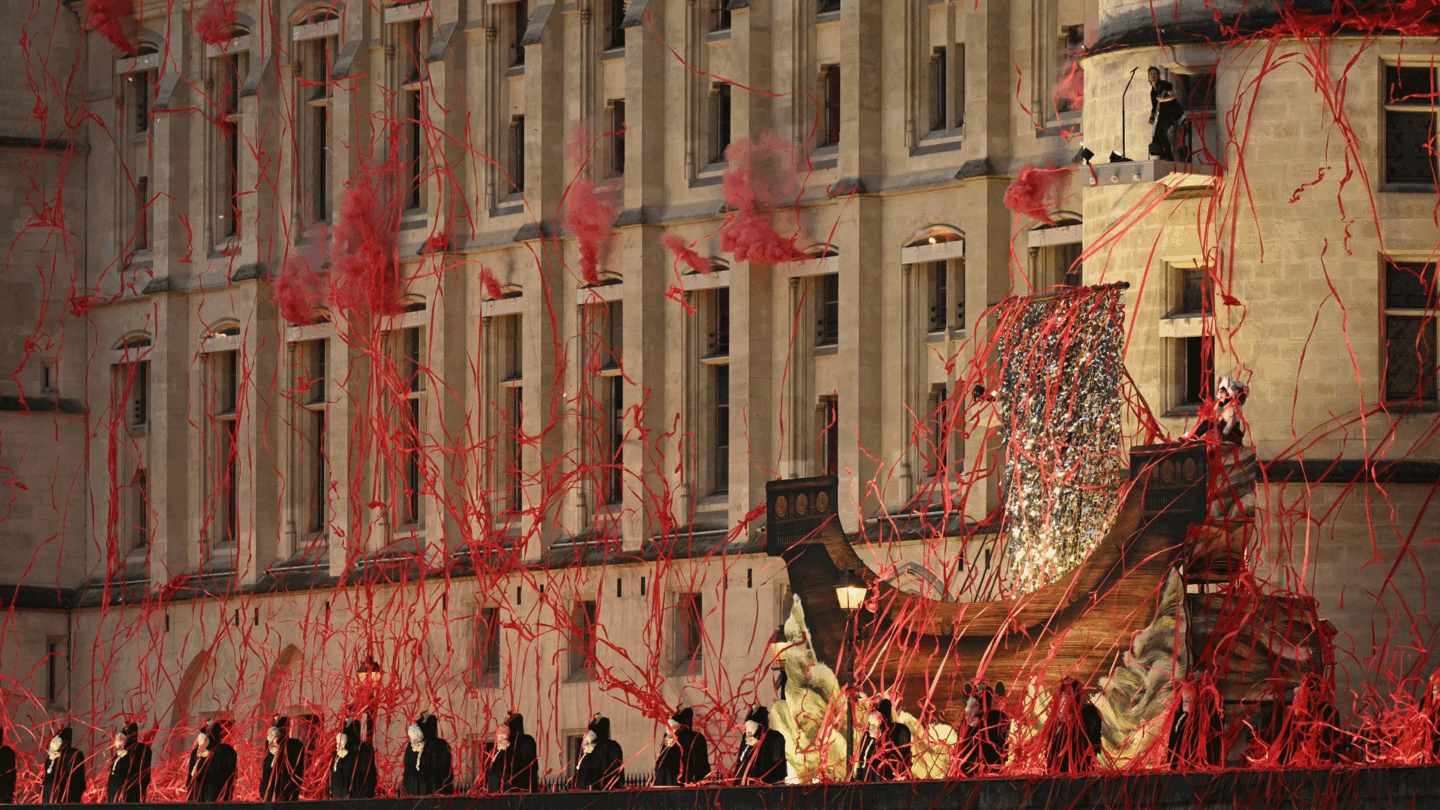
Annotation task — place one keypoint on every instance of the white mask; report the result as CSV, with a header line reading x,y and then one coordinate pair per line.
x,y
55,745
202,741
119,742
874,720
340,743
752,729
591,738
273,735
415,734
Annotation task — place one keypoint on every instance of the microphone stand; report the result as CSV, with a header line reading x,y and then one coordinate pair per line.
x,y
1123,117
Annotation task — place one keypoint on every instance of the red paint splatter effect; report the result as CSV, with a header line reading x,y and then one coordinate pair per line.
x,y
216,24
1033,193
686,254
367,270
764,174
115,19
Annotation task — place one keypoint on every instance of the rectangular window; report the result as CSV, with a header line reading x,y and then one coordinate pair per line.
x,y
827,324
314,95
1411,310
830,93
829,436
487,647
412,40
826,6
1068,74
141,85
506,330
690,630
719,323
315,470
1196,371
614,439
720,377
411,427
134,382
720,119
938,290
1194,291
614,24
719,15
140,511
228,75
617,137
54,667
936,443
582,639
517,153
1410,111
519,21
939,90
142,219
225,384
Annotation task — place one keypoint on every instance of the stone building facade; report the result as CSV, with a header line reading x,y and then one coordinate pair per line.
x,y
595,450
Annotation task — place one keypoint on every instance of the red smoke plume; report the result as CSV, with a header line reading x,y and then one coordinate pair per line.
x,y
763,174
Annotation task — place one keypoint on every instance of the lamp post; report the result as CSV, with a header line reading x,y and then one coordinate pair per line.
x,y
850,590
779,643
369,675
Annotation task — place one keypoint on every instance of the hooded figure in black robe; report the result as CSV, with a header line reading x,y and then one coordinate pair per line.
x,y
1197,729
7,771
1072,732
762,751
602,762
428,768
515,767
129,779
685,756
210,776
283,769
352,774
885,750
984,732
64,780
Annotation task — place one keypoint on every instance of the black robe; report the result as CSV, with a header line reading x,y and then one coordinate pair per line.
x,y
1073,739
602,768
353,776
763,762
517,768
129,779
431,771
7,774
281,776
887,758
211,778
64,780
1196,741
685,763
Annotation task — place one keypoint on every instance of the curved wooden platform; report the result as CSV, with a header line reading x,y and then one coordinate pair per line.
x,y
925,651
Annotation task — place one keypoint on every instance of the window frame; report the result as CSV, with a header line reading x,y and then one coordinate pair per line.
x,y
1423,108
1429,318
831,102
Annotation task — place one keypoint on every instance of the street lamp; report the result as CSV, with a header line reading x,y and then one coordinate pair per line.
x,y
850,590
779,643
368,674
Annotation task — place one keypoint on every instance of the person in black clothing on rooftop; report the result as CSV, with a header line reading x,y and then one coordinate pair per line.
x,y
428,767
602,762
685,755
1165,113
352,774
762,751
282,771
7,771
